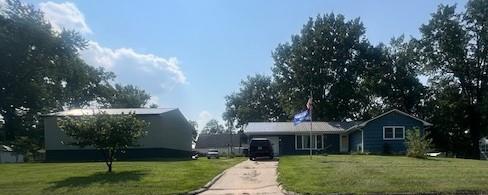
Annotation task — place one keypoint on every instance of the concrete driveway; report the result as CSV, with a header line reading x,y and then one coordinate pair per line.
x,y
248,177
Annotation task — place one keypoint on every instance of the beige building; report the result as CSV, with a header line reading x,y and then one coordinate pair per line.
x,y
169,135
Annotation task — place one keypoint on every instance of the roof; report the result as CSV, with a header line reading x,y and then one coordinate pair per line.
x,y
112,111
216,140
272,128
5,148
425,123
263,128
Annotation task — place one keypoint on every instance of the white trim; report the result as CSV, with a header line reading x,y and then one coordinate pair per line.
x,y
310,140
393,132
362,141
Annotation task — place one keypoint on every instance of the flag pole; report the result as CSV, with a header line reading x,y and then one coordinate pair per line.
x,y
311,121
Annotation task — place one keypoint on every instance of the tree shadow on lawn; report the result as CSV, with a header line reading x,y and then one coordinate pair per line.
x,y
99,178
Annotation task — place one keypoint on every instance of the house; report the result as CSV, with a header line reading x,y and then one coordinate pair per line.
x,y
8,155
221,142
169,135
484,148
384,133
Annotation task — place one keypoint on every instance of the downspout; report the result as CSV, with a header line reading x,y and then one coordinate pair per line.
x,y
362,141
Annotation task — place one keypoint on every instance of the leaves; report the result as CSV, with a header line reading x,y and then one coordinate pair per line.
x,y
213,127
108,133
257,100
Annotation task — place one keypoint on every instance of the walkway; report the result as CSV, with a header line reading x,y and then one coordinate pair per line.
x,y
248,177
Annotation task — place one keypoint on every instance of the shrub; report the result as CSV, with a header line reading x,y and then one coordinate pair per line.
x,y
417,144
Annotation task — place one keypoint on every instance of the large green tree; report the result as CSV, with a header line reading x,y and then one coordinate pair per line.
x,y
108,133
392,79
213,127
328,58
194,132
454,48
256,101
40,70
128,96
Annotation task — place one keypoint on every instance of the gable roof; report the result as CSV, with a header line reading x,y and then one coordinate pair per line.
x,y
273,128
112,111
269,128
216,140
425,123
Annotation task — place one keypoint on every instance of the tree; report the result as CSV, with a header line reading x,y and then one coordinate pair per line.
x,y
107,133
41,71
257,101
128,96
213,127
329,58
393,77
194,132
455,52
417,144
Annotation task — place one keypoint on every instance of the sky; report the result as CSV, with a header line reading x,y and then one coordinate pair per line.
x,y
191,54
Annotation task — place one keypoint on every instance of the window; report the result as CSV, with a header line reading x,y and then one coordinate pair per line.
x,y
306,141
303,142
319,142
393,132
298,141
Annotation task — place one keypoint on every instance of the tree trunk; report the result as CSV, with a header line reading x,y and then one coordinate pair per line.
x,y
110,160
109,167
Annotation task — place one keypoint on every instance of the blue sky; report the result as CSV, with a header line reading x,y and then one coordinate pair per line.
x,y
191,54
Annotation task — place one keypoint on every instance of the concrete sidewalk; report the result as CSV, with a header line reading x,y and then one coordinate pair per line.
x,y
248,177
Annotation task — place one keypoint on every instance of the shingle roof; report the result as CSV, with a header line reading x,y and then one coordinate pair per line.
x,y
261,128
216,141
113,111
425,123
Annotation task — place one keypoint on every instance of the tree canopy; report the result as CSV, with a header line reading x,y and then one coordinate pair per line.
x,y
257,100
213,127
454,48
42,72
127,96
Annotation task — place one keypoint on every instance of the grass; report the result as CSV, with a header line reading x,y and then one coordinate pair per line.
x,y
139,177
381,174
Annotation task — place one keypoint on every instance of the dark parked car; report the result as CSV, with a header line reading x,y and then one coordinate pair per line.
x,y
260,147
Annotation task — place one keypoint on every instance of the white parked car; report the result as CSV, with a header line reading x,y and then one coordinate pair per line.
x,y
213,153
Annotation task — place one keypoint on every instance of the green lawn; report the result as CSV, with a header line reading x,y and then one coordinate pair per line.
x,y
139,177
369,173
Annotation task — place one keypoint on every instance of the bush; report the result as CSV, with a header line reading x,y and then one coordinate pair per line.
x,y
417,144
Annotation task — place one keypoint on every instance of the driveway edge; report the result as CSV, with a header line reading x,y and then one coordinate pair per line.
x,y
284,191
206,186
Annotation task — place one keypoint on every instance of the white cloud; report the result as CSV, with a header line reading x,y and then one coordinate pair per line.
x,y
203,118
65,15
153,100
147,71
129,65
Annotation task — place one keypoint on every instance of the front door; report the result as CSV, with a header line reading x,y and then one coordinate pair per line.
x,y
344,143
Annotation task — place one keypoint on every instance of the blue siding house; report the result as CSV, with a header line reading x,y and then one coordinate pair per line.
x,y
382,134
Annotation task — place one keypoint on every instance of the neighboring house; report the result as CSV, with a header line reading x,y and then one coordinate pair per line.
x,y
168,135
382,134
8,155
484,148
221,142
